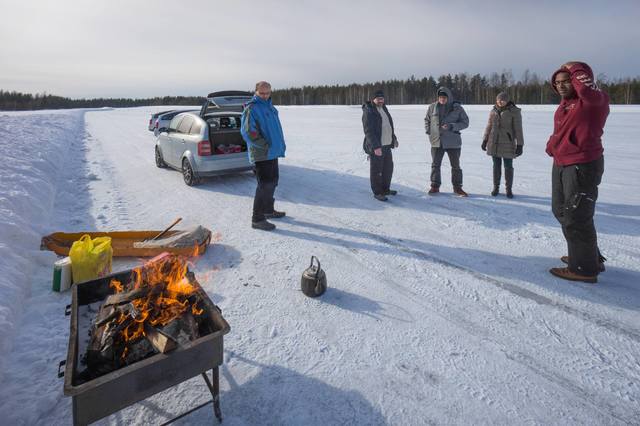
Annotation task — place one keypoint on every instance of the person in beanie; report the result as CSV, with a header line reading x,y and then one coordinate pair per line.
x,y
261,130
443,123
578,165
503,140
379,139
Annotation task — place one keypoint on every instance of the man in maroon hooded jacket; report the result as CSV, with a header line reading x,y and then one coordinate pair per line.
x,y
578,164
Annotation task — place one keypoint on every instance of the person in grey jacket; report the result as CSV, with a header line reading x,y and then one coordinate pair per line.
x,y
443,123
503,140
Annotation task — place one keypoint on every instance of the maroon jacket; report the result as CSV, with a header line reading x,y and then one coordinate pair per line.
x,y
579,122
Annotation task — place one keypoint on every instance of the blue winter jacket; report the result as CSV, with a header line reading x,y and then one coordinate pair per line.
x,y
262,131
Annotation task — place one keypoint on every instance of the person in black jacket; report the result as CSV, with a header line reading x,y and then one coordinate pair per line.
x,y
379,139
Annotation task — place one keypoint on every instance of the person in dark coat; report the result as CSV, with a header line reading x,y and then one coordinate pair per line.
x,y
503,140
379,140
578,165
444,120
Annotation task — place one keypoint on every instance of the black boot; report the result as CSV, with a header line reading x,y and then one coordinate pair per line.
x,y
508,178
497,170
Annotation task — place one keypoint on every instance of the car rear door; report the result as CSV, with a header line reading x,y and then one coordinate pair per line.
x,y
182,139
169,140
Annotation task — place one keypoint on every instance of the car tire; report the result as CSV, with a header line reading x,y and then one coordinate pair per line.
x,y
187,173
159,160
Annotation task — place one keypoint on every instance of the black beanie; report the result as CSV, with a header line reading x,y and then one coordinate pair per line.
x,y
378,94
443,93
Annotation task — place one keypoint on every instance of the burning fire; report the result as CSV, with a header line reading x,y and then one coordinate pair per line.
x,y
168,296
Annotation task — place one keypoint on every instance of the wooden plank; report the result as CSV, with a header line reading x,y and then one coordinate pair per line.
x,y
162,342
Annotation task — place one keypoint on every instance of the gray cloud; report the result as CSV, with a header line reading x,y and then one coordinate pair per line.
x,y
147,48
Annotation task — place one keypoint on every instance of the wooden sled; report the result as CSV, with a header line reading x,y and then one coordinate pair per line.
x,y
123,243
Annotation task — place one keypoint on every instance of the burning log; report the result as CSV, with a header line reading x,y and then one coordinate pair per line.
x,y
126,297
153,313
162,342
189,326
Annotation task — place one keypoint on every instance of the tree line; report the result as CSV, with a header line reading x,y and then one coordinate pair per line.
x,y
16,101
469,89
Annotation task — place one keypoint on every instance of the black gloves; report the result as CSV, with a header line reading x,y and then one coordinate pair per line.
x,y
518,150
484,145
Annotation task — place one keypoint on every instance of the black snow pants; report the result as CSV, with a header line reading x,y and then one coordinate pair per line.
x,y
381,171
573,201
267,175
437,154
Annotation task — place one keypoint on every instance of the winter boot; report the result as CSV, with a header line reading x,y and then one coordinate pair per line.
x,y
433,190
275,215
263,225
460,192
601,260
380,197
567,274
508,179
497,172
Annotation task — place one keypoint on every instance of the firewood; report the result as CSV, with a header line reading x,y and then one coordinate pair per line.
x,y
189,325
162,342
106,314
128,296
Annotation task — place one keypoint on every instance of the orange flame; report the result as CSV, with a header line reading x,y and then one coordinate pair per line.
x,y
167,299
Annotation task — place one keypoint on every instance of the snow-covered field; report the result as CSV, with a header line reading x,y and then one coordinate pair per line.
x,y
440,310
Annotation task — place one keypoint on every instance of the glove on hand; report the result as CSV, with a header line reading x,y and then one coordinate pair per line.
x,y
484,145
518,150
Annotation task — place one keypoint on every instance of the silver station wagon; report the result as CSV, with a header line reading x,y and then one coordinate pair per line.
x,y
208,143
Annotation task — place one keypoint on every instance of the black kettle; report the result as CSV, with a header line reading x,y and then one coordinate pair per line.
x,y
314,280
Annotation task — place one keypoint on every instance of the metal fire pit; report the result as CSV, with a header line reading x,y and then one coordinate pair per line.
x,y
107,394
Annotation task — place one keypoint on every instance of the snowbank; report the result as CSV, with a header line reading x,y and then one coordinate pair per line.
x,y
34,150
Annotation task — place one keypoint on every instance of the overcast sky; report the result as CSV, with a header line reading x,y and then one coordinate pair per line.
x,y
117,48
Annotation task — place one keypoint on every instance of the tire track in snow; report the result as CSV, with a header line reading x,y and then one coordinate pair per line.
x,y
109,202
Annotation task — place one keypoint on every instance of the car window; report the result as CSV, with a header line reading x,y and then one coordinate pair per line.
x,y
224,101
223,123
174,123
196,128
185,124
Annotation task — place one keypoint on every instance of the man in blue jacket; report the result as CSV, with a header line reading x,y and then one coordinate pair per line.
x,y
262,132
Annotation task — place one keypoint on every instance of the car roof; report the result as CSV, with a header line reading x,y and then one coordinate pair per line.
x,y
223,113
176,112
229,93
156,114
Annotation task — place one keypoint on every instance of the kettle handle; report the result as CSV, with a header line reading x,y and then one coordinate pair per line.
x,y
318,262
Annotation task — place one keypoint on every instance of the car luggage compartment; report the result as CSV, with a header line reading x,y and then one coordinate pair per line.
x,y
225,136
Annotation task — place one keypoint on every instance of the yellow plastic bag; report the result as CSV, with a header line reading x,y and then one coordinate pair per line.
x,y
90,259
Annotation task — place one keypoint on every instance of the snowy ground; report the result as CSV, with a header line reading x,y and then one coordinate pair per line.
x,y
440,310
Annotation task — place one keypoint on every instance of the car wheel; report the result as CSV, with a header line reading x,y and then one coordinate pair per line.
x,y
187,173
159,161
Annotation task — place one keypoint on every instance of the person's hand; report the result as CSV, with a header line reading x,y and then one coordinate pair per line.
x,y
518,150
484,144
395,143
445,126
378,152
